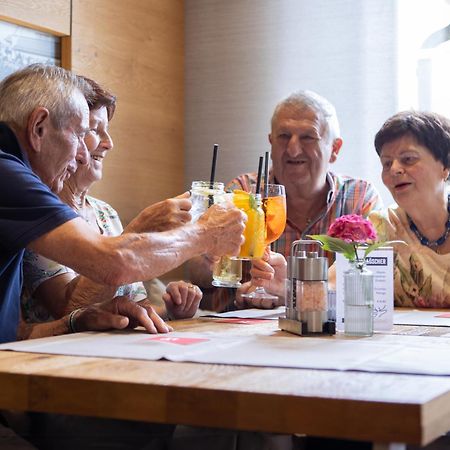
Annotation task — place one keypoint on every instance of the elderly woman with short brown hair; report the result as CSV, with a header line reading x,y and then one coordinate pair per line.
x,y
414,150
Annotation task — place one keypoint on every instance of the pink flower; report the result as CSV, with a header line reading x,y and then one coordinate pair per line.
x,y
352,228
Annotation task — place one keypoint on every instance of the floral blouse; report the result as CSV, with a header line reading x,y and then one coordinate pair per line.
x,y
421,276
37,269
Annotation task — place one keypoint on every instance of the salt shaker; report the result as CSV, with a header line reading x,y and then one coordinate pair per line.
x,y
307,292
312,291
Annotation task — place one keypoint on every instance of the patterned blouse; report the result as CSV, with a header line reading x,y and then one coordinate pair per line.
x,y
421,276
37,268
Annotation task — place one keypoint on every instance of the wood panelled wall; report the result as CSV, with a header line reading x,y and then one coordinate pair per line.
x,y
135,49
45,15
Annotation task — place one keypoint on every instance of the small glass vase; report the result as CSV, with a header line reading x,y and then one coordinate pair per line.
x,y
358,300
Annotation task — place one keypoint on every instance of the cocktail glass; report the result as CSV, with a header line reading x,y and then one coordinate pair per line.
x,y
254,232
274,206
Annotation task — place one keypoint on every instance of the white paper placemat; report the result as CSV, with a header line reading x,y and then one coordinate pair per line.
x,y
379,353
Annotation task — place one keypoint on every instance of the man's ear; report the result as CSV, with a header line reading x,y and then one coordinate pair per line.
x,y
37,126
446,174
335,149
270,138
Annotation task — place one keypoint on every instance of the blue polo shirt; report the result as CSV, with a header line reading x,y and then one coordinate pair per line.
x,y
28,210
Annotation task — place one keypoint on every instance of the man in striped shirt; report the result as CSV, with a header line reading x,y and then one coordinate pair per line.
x,y
305,140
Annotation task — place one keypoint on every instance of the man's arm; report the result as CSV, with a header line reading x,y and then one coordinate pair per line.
x,y
68,291
27,330
134,257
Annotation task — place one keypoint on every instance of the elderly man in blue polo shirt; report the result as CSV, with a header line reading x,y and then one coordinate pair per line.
x,y
43,119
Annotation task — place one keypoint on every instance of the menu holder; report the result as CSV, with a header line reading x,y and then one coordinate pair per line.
x,y
381,263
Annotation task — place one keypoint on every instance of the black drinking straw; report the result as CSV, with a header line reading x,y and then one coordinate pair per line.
x,y
266,174
213,167
258,179
213,174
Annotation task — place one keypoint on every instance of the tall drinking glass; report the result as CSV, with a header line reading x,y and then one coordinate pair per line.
x,y
254,232
227,271
203,195
274,206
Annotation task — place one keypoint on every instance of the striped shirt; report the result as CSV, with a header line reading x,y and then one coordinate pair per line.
x,y
346,195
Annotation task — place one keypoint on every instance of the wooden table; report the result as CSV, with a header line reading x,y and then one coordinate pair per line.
x,y
382,408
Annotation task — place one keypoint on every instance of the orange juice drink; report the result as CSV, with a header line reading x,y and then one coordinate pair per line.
x,y
254,232
275,210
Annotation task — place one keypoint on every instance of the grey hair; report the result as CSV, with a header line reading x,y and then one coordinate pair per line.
x,y
36,85
310,100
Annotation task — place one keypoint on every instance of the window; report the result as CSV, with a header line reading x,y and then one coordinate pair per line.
x,y
21,46
424,55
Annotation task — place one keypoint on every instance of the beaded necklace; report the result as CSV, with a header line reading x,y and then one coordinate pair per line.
x,y
425,241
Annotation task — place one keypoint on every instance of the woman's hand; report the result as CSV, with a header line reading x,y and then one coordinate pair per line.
x,y
182,299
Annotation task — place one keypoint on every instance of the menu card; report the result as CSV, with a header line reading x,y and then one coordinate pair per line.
x,y
381,263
